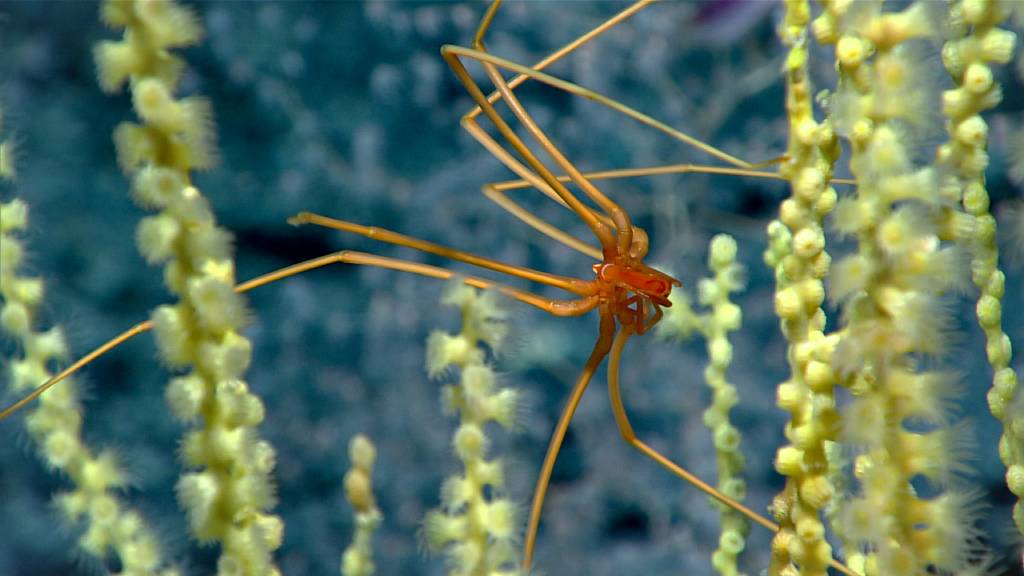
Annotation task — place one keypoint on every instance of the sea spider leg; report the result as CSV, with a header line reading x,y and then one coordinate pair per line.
x,y
742,167
661,171
620,218
537,182
453,52
534,180
497,192
502,199
627,433
561,52
556,307
452,56
471,126
624,238
664,170
140,328
604,234
597,355
573,285
553,306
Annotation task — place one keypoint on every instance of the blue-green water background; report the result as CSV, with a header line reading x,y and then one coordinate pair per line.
x,y
347,109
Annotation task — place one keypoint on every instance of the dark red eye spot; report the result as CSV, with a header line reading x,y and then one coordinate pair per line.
x,y
659,287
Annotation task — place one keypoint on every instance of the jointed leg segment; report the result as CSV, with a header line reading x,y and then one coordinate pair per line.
x,y
455,52
543,181
626,430
597,355
621,220
573,285
555,307
513,208
509,161
623,225
541,177
497,191
604,235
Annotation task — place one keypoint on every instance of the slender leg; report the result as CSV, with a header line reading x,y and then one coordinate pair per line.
x,y
574,285
452,52
551,306
648,324
82,362
558,54
667,169
662,170
529,176
531,179
555,307
505,91
474,129
622,222
539,183
604,235
513,208
626,430
497,193
601,347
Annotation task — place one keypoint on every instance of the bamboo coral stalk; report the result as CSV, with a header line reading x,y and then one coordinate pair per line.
x,y
55,424
227,491
969,59
801,263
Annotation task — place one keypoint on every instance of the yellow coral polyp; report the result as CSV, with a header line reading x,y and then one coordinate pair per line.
x,y
185,395
851,51
217,305
789,461
787,303
891,29
136,146
115,63
98,474
972,131
500,519
157,186
819,376
977,78
168,24
157,237
997,45
440,529
14,318
199,493
887,152
808,242
469,441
